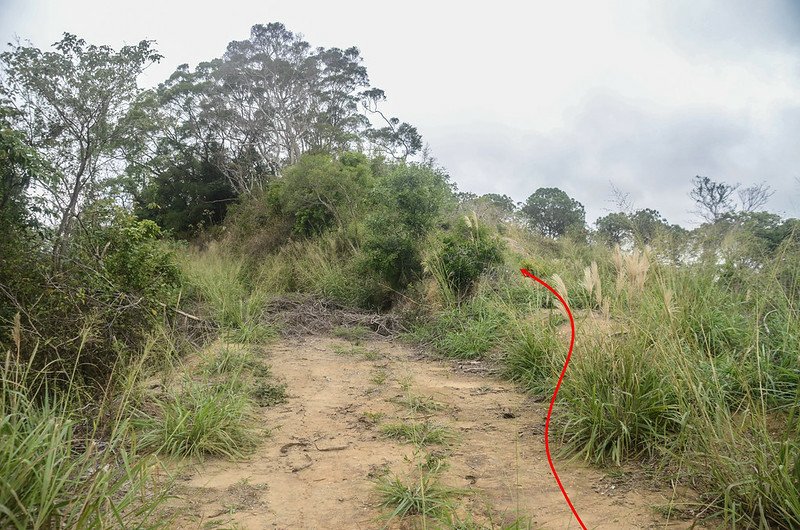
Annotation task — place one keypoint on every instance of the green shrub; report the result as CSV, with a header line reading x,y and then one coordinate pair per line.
x,y
408,203
464,254
93,311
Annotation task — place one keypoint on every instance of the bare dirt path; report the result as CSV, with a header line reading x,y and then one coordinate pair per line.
x,y
317,469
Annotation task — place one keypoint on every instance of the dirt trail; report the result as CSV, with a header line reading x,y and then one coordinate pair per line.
x,y
316,470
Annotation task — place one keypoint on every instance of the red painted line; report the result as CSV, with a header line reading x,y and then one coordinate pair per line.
x,y
555,392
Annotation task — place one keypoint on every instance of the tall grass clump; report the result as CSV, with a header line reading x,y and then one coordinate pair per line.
x,y
743,445
200,420
620,403
218,280
59,469
468,331
531,357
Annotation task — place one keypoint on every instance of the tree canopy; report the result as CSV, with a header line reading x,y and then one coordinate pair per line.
x,y
72,103
551,212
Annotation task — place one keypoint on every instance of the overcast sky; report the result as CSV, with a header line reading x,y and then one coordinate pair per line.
x,y
516,96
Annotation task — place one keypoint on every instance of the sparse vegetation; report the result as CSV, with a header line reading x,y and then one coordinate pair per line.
x,y
419,434
267,394
424,496
419,404
370,354
379,377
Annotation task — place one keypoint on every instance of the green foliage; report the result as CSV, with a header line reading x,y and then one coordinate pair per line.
x,y
218,282
552,212
409,200
321,192
134,257
465,253
114,284
187,196
317,194
621,405
200,420
73,101
529,361
424,496
642,227
53,471
418,434
20,165
468,331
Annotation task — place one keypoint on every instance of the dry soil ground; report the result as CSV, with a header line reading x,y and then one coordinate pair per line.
x,y
317,469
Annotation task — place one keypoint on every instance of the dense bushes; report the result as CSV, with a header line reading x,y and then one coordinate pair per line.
x,y
409,201
345,227
186,197
318,194
95,309
465,252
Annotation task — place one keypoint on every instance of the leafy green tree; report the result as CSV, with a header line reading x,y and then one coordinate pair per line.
x,y
646,225
268,100
321,191
614,228
71,103
502,203
186,196
764,231
19,166
641,226
408,203
551,212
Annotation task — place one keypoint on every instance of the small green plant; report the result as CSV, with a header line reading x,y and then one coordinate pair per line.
x,y
530,358
435,461
267,394
463,255
419,404
379,377
424,496
372,418
405,382
419,434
